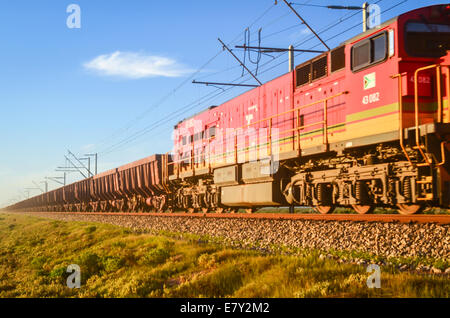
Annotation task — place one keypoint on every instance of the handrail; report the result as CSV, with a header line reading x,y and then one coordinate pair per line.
x,y
400,107
442,154
447,84
419,146
416,110
439,102
165,171
270,118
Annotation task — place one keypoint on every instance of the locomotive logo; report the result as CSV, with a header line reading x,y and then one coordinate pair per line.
x,y
369,80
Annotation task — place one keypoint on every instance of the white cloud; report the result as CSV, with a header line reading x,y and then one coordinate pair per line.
x,y
305,31
136,65
87,147
299,34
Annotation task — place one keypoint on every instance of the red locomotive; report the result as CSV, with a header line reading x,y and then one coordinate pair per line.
x,y
366,124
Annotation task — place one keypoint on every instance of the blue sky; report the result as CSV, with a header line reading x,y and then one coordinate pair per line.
x,y
127,71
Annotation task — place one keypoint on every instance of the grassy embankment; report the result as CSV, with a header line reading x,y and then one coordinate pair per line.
x,y
114,262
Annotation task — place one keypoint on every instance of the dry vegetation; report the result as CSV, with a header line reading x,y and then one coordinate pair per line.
x,y
115,262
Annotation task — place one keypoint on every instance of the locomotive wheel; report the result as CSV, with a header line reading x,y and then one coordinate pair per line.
x,y
324,209
363,209
408,209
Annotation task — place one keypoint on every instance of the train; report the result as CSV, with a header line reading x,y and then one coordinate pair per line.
x,y
363,125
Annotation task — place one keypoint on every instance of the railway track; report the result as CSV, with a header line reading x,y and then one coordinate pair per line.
x,y
416,218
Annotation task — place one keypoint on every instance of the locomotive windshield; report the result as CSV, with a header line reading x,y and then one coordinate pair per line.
x,y
427,39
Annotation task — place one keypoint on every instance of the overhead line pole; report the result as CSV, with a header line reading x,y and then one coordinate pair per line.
x,y
27,190
46,185
22,194
87,169
242,64
89,165
55,179
93,155
226,84
38,187
273,49
74,167
307,25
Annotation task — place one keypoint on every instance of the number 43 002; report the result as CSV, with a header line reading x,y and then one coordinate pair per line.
x,y
372,98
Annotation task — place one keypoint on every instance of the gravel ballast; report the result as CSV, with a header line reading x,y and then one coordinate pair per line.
x,y
386,239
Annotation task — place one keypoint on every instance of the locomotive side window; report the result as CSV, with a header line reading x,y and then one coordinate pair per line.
x,y
212,131
361,56
303,74
198,136
337,58
311,71
369,52
319,67
427,39
378,48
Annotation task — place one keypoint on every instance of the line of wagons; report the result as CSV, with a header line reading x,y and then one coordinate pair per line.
x,y
137,186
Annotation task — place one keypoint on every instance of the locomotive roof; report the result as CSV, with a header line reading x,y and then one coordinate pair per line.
x,y
211,107
369,31
200,112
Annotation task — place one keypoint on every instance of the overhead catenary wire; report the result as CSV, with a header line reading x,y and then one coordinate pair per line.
x,y
212,96
149,127
331,37
160,102
173,91
233,41
157,124
328,6
325,29
247,43
184,110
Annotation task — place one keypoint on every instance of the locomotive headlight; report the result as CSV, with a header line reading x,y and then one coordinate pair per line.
x,y
440,11
445,11
391,45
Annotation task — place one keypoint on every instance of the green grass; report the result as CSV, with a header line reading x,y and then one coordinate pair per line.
x,y
115,262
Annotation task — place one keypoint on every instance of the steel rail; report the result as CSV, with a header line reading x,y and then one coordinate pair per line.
x,y
384,218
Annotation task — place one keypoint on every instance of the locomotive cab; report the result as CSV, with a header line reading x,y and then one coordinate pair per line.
x,y
424,35
423,87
